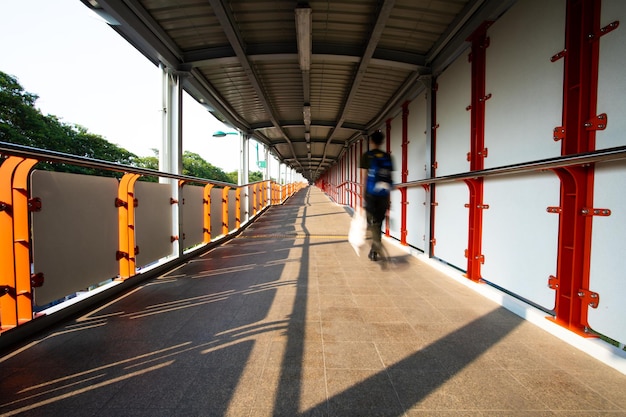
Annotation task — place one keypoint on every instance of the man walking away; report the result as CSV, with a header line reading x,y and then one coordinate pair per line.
x,y
376,167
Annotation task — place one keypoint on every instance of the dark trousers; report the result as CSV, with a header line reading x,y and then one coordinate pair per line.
x,y
376,209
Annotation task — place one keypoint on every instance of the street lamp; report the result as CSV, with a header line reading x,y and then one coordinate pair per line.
x,y
221,134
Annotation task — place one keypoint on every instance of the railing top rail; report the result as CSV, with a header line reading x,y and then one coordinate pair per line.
x,y
60,157
604,155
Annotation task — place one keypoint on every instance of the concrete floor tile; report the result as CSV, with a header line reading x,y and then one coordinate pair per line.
x,y
351,355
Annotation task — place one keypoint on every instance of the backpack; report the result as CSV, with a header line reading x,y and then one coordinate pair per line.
x,y
379,174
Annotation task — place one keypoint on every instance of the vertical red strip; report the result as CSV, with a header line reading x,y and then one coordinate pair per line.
x,y
405,172
579,105
388,136
475,258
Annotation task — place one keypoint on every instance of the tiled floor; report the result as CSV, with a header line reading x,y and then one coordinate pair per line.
x,y
286,320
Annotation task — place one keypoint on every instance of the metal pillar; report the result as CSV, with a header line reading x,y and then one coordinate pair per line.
x,y
477,153
170,156
580,121
388,149
405,173
243,176
431,167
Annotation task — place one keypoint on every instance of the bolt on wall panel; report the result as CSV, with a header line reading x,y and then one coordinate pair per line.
x,y
520,236
418,152
526,87
453,133
416,218
451,220
611,79
192,197
153,222
608,251
216,212
75,235
395,141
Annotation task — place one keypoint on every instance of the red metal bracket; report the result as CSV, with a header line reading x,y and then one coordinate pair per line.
x,y
34,204
120,203
597,123
558,56
556,210
173,239
480,206
173,201
553,282
4,206
595,212
608,28
484,153
120,255
485,98
480,258
592,299
559,133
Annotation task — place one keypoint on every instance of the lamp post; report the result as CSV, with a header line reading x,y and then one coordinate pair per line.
x,y
221,134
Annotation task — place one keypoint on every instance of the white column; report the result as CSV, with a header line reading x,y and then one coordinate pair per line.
x,y
244,168
170,155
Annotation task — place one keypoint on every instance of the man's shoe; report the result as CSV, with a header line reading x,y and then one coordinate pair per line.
x,y
373,255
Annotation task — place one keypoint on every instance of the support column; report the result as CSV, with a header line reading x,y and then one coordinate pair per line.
x,y
477,153
405,173
388,149
582,38
431,167
243,177
170,155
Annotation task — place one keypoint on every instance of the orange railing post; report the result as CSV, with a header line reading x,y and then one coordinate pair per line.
x,y
125,204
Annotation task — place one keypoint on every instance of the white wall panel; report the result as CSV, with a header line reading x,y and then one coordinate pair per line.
x,y
526,87
416,218
75,235
216,212
451,220
232,209
153,221
418,155
453,134
519,236
608,251
193,213
418,152
611,85
395,141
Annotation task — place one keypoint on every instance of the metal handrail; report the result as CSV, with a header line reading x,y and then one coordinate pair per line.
x,y
60,157
604,155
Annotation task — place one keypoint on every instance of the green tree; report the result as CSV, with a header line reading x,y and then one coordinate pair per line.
x,y
195,166
23,124
255,176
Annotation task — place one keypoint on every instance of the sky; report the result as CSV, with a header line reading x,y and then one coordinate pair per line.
x,y
86,74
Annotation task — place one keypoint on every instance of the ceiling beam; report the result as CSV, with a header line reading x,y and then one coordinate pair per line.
x,y
232,34
379,27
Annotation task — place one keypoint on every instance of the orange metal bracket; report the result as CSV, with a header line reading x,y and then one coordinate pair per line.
x,y
21,239
125,204
8,305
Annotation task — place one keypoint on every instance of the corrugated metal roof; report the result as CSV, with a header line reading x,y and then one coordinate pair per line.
x,y
242,61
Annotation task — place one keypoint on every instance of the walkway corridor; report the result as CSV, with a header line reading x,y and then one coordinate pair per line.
x,y
286,320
